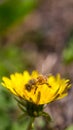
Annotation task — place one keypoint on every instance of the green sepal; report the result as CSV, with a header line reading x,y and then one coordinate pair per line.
x,y
47,116
23,108
21,101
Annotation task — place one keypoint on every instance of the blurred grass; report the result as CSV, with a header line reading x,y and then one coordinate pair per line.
x,y
68,52
6,106
10,60
70,128
15,59
13,11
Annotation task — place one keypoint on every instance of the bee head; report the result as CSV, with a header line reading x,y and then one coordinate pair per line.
x,y
28,87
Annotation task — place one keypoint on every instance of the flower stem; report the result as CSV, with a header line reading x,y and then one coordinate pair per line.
x,y
31,124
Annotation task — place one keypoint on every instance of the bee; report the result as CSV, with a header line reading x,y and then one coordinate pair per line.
x,y
40,80
29,86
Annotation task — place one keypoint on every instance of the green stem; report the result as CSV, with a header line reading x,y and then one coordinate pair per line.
x,y
31,126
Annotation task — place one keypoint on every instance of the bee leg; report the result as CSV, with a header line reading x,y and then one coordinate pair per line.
x,y
35,89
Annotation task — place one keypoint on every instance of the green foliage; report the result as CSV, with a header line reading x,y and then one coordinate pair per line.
x,y
70,128
11,60
12,11
40,122
68,52
7,107
21,126
14,59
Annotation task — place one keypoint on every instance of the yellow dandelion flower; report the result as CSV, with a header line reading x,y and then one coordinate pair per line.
x,y
36,88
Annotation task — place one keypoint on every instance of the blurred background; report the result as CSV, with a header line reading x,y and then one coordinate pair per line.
x,y
36,34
